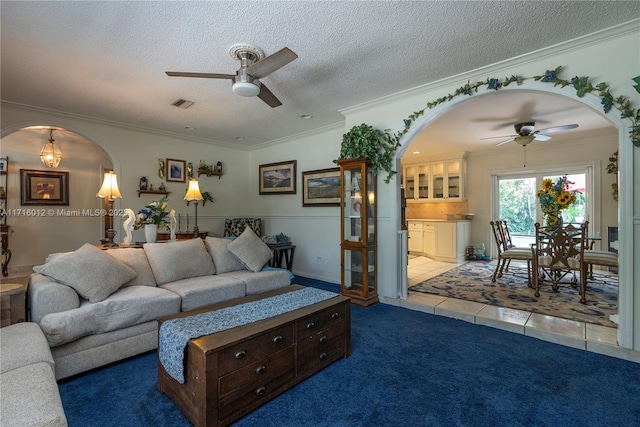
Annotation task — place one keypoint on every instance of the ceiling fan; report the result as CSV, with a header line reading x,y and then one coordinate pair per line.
x,y
525,133
253,66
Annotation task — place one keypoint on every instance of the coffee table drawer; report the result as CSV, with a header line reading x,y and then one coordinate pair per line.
x,y
247,352
309,326
321,350
251,386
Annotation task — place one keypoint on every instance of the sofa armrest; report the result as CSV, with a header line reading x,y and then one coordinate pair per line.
x,y
48,296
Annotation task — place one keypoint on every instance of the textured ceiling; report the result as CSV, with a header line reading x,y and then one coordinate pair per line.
x,y
107,59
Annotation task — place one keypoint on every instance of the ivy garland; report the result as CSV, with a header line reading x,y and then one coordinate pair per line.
x,y
580,84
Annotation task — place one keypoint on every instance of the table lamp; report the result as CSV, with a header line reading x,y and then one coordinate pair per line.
x,y
194,195
110,190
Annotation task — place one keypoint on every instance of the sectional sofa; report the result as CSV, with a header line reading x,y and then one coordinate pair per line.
x,y
99,306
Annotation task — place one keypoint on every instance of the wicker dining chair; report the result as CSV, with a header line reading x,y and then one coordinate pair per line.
x,y
506,253
558,255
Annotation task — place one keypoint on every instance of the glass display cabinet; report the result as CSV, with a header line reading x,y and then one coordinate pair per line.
x,y
358,243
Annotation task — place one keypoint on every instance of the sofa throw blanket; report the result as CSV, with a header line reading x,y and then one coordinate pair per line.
x,y
176,333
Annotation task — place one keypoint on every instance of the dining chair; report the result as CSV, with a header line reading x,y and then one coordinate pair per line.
x,y
506,253
597,257
557,255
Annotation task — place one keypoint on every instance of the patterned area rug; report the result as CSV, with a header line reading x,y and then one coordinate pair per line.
x,y
472,282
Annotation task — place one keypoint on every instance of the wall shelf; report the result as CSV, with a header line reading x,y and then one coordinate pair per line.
x,y
218,174
166,193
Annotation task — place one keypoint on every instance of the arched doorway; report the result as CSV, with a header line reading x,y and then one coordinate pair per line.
x,y
40,229
590,102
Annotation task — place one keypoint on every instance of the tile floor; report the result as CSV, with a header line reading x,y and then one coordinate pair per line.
x,y
595,338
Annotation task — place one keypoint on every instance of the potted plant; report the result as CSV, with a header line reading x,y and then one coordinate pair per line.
x,y
612,167
379,146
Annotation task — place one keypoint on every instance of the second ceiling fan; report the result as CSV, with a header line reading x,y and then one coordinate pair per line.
x,y
253,66
525,133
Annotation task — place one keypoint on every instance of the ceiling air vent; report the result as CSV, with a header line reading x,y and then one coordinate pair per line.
x,y
182,103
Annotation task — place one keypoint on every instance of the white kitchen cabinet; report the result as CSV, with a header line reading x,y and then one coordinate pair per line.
x,y
435,181
415,236
429,238
448,180
444,241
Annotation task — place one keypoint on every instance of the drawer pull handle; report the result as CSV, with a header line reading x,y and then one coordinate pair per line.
x,y
261,369
240,354
323,338
334,316
261,391
323,356
311,325
277,339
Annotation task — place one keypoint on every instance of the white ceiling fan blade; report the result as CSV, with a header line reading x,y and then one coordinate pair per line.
x,y
504,142
542,138
557,128
503,136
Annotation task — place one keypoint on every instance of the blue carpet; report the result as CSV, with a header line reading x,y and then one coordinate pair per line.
x,y
407,368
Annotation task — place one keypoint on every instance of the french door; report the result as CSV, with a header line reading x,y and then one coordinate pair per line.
x,y
517,203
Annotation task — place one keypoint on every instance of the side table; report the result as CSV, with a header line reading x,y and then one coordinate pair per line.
x,y
13,300
280,253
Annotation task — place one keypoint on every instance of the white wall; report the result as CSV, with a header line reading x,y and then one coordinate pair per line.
x,y
314,230
135,153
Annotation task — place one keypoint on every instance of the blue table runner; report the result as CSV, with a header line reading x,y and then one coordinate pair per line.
x,y
176,333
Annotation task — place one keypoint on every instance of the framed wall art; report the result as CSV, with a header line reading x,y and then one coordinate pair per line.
x,y
44,187
321,187
278,178
176,170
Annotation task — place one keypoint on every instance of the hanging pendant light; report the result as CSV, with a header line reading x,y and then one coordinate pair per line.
x,y
50,153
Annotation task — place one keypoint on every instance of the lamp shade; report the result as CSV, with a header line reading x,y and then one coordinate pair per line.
x,y
109,187
50,155
193,192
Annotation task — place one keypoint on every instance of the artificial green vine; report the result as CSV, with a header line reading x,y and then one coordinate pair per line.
x,y
580,84
379,146
612,167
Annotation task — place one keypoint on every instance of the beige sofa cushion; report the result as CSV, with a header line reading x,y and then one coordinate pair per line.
x,y
137,260
128,306
23,344
199,292
90,271
30,397
224,260
179,260
250,250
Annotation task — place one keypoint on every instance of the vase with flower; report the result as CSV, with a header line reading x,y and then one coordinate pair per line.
x,y
554,197
152,217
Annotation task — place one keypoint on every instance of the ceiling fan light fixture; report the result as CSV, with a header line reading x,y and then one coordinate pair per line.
x,y
525,140
246,89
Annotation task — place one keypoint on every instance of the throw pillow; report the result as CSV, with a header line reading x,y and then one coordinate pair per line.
x,y
137,260
224,260
250,250
178,260
90,271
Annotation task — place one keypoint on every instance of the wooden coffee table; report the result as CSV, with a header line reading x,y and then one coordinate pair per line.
x,y
230,373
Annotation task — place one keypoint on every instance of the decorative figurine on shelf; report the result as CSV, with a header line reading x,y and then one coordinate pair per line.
x,y
162,188
219,167
128,225
143,183
190,170
173,222
161,168
150,187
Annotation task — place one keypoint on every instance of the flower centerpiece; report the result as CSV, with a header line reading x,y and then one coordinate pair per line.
x,y
153,213
554,197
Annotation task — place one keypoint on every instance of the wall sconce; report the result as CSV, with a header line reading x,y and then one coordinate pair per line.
x,y
194,195
110,190
50,155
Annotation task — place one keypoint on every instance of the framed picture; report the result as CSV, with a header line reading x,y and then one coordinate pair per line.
x,y
321,187
176,170
355,207
44,187
3,165
278,178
